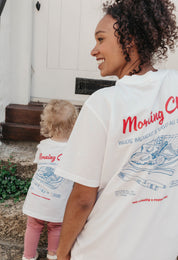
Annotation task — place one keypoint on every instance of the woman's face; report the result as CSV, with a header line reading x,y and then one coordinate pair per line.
x,y
108,51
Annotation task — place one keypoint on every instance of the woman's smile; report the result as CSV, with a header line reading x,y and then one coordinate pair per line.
x,y
100,61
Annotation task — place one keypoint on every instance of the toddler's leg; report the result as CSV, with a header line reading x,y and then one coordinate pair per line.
x,y
54,230
32,236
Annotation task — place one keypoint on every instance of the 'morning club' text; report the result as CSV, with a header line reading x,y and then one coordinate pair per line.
x,y
133,124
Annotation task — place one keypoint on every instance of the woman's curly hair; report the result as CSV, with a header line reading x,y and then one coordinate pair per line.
x,y
150,23
58,118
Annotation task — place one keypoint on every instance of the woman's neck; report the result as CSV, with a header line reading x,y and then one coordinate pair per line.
x,y
134,66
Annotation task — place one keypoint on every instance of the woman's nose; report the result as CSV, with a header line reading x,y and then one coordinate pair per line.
x,y
94,51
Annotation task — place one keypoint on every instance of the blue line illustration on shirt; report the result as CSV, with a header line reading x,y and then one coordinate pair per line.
x,y
46,175
173,183
158,156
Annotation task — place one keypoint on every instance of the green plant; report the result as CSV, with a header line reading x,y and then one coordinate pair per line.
x,y
11,185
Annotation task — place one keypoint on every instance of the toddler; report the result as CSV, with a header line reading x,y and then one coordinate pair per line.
x,y
48,194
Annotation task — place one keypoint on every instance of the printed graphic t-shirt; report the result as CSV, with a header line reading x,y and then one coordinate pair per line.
x,y
125,142
48,193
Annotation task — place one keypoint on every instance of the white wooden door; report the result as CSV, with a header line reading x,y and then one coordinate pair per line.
x,y
63,36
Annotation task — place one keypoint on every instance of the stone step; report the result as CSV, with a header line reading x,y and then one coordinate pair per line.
x,y
23,114
22,122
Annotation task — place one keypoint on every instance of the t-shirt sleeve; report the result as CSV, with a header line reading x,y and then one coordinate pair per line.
x,y
82,160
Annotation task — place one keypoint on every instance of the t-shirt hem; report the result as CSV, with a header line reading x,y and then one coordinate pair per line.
x,y
26,212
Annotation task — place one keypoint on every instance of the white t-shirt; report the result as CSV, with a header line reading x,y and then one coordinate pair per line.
x,y
125,142
48,193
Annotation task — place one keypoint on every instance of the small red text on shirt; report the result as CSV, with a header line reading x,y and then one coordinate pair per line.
x,y
50,157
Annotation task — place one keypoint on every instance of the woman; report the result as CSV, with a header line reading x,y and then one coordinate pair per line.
x,y
123,151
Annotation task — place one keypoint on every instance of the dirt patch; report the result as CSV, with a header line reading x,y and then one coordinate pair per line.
x,y
18,152
13,223
21,154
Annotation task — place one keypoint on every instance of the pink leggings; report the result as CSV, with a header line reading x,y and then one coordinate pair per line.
x,y
32,236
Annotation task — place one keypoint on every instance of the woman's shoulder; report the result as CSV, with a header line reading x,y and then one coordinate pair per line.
x,y
102,95
101,103
171,75
173,72
169,72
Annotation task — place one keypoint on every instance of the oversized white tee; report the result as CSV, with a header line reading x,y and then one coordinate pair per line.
x,y
125,142
48,193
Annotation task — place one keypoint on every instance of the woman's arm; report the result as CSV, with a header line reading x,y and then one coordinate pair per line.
x,y
79,206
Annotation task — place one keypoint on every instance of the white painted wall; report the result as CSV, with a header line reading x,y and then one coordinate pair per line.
x,y
5,96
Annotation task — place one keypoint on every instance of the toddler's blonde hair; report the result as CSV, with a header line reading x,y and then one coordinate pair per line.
x,y
58,118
